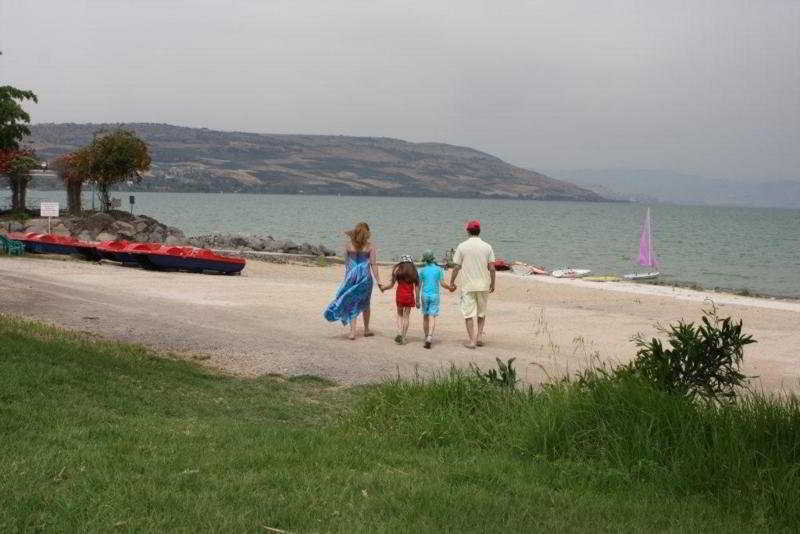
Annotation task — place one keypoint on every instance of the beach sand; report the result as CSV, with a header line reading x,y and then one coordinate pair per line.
x,y
269,320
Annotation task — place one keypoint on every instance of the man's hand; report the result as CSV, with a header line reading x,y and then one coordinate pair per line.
x,y
417,303
491,288
452,288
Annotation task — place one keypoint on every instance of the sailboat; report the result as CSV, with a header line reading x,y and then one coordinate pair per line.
x,y
647,256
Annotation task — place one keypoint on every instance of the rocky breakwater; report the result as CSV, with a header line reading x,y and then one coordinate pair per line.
x,y
112,226
257,243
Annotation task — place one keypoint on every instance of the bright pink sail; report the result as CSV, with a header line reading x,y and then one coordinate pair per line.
x,y
647,257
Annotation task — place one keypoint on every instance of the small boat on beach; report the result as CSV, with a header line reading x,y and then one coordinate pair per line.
x,y
148,255
56,244
647,256
175,258
570,273
501,265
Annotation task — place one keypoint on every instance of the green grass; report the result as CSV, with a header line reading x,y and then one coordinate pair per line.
x,y
100,436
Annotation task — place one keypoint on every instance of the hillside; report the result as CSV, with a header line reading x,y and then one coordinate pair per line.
x,y
649,185
198,159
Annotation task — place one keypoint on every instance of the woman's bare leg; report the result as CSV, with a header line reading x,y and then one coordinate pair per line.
x,y
426,324
367,331
352,334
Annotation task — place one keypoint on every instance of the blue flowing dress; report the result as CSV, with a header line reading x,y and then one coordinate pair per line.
x,y
353,296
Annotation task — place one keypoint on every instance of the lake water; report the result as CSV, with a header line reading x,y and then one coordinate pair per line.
x,y
733,248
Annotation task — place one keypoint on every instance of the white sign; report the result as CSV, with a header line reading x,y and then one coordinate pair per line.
x,y
48,209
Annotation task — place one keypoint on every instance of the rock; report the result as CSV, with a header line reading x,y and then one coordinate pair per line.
x,y
171,230
14,226
105,236
121,227
141,237
140,226
85,236
290,247
173,239
37,227
157,236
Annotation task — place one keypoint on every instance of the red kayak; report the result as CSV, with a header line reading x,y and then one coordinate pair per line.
x,y
56,244
148,255
502,265
165,257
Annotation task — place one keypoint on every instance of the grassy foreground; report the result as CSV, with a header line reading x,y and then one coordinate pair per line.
x,y
99,436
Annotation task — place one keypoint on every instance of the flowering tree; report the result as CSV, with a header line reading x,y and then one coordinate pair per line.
x,y
112,157
66,166
15,164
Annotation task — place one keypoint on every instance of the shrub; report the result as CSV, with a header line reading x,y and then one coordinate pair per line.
x,y
504,376
702,360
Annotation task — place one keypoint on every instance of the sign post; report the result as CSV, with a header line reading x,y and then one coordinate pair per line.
x,y
132,201
48,209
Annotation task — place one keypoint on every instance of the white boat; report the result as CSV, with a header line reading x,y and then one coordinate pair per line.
x,y
642,276
647,256
570,273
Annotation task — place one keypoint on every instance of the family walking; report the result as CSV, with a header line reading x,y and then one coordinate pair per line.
x,y
473,260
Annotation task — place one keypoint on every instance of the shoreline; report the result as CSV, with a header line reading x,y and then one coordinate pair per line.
x,y
664,290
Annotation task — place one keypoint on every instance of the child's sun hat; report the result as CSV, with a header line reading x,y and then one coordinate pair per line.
x,y
407,258
428,257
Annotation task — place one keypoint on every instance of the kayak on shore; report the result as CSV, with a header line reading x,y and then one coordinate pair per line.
x,y
147,255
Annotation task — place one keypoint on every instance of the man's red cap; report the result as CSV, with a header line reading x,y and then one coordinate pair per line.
x,y
473,225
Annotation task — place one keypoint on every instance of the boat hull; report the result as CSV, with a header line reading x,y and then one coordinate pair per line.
x,y
183,263
642,276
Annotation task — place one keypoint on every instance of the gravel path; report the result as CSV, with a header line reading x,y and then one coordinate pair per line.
x,y
269,321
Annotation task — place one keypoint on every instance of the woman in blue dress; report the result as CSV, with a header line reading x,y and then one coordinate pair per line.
x,y
353,296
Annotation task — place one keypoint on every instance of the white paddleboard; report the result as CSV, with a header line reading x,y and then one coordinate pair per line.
x,y
570,273
641,276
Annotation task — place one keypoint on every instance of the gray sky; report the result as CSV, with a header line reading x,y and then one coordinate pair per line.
x,y
698,86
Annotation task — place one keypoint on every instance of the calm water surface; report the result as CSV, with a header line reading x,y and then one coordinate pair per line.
x,y
734,248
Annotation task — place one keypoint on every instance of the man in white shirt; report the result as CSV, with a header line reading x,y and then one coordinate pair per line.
x,y
474,259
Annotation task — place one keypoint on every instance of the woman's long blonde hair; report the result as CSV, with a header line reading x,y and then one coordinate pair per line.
x,y
359,236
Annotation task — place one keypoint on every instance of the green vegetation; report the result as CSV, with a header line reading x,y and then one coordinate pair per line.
x,y
97,436
112,157
15,163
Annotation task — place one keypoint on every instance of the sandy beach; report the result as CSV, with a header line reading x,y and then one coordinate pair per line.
x,y
269,320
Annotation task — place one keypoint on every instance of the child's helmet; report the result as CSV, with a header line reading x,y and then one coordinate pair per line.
x,y
407,258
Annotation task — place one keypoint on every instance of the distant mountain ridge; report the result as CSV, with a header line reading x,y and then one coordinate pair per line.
x,y
199,159
653,185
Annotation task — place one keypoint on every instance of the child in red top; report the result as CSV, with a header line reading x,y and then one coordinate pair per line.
x,y
406,296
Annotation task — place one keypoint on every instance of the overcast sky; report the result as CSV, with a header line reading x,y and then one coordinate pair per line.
x,y
698,86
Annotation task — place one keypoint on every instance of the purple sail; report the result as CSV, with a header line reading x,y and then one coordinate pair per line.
x,y
647,257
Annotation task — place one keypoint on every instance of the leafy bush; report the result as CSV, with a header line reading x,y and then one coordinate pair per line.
x,y
504,376
702,360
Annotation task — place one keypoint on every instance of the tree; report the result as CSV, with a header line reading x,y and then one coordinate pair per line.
x,y
13,119
17,166
68,169
113,157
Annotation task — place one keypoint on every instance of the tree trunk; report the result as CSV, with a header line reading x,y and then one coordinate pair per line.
x,y
105,200
74,190
23,192
14,185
